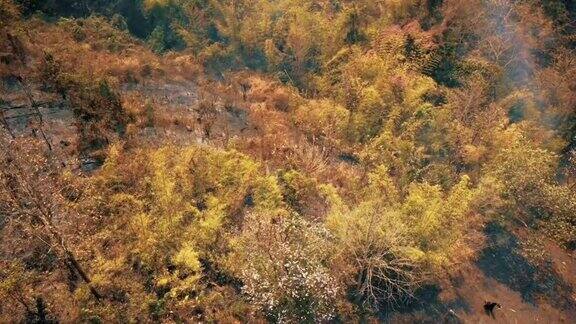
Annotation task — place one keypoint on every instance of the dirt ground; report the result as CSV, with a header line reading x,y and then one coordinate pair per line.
x,y
528,293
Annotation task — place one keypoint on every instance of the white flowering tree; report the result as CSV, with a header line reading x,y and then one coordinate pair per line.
x,y
281,259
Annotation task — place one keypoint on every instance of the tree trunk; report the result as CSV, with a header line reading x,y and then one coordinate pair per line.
x,y
76,266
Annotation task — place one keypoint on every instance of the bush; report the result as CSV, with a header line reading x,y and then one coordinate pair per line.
x,y
280,259
322,119
534,197
374,255
8,12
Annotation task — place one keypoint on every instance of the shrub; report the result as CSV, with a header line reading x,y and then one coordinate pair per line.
x,y
280,259
374,255
8,12
322,119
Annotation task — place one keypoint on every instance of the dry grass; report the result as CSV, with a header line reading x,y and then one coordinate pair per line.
x,y
123,57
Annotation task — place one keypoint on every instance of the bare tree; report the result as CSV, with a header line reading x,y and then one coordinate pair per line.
x,y
207,114
31,198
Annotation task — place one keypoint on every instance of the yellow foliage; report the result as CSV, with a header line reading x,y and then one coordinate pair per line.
x,y
382,186
438,222
150,4
322,118
187,257
267,194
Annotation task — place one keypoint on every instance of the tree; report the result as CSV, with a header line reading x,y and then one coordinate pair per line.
x,y
156,40
8,13
373,255
534,197
281,260
352,28
32,198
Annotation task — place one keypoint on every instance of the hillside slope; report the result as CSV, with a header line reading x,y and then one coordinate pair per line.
x,y
287,161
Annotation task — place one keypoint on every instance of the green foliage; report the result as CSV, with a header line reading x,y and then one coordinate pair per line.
x,y
386,244
438,222
353,32
173,217
100,32
13,280
303,194
156,40
217,57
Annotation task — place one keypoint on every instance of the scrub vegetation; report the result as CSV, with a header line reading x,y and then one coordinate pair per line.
x,y
291,161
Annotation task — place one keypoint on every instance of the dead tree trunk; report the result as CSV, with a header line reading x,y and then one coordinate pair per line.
x,y
37,111
31,200
76,266
5,123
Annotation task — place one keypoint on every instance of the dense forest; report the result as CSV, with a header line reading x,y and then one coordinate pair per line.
x,y
287,161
